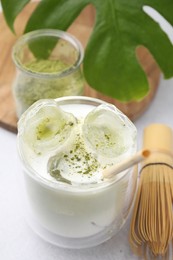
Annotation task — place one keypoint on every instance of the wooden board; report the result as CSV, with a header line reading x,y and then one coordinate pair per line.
x,y
82,29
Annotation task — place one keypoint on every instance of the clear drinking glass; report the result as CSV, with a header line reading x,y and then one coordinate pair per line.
x,y
48,66
76,216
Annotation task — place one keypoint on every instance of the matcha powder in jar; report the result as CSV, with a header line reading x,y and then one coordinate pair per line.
x,y
48,66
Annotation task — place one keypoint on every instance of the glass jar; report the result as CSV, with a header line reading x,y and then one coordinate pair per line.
x,y
75,216
48,66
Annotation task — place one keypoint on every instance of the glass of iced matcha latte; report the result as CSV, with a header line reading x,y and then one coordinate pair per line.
x,y
64,145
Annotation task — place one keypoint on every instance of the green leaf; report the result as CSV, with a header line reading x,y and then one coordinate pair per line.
x,y
55,14
110,63
11,8
46,14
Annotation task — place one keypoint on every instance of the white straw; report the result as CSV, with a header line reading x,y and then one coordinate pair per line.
x,y
119,167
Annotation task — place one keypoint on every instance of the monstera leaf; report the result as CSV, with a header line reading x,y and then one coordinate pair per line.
x,y
110,62
11,9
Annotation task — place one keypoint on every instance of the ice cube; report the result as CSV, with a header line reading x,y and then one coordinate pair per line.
x,y
45,126
75,165
109,133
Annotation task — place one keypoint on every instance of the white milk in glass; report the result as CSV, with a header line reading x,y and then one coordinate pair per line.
x,y
64,145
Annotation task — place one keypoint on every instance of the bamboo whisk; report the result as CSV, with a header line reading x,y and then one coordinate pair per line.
x,y
152,218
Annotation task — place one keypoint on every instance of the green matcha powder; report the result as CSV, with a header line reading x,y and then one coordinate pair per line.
x,y
42,83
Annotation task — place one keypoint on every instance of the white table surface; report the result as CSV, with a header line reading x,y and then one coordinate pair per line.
x,y
18,242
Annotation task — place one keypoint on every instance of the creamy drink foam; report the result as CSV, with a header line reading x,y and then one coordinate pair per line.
x,y
66,144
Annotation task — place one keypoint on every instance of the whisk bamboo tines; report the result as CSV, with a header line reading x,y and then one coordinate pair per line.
x,y
152,218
